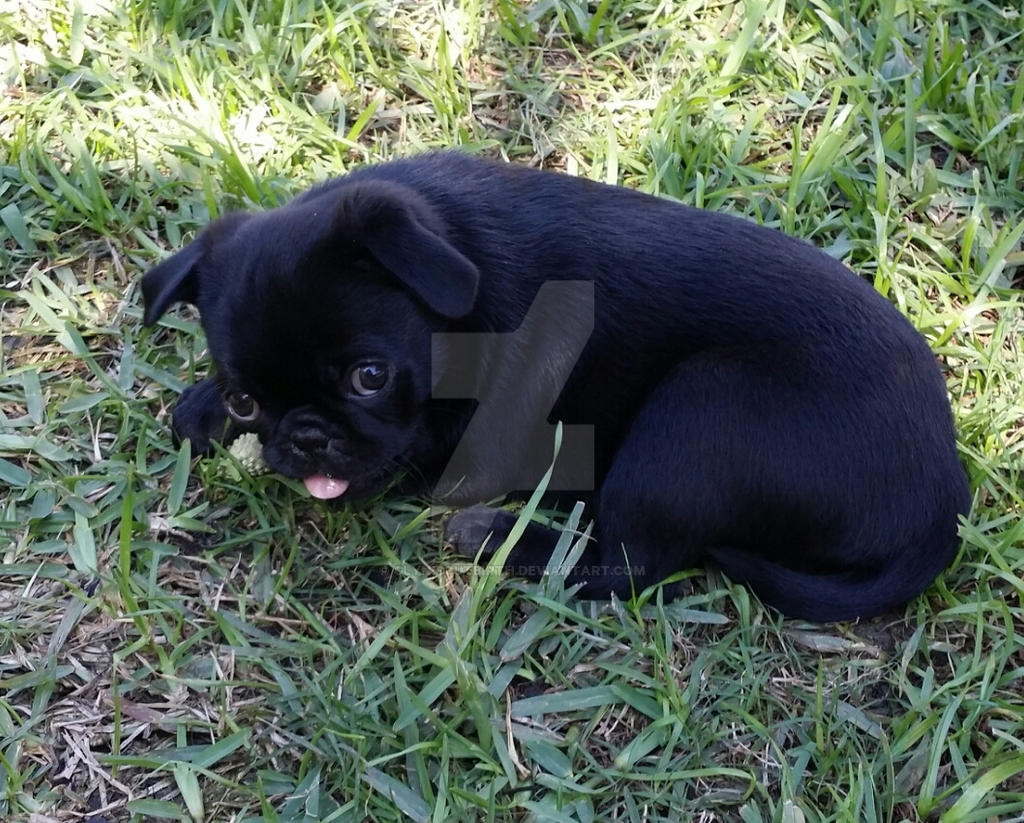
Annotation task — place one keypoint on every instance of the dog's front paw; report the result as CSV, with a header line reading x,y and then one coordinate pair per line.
x,y
467,530
200,416
482,526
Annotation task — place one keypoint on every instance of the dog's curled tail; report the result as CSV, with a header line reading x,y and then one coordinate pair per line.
x,y
824,598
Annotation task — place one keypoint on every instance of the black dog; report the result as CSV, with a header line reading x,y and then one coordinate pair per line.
x,y
727,392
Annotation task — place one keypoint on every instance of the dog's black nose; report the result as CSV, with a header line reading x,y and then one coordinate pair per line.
x,y
308,439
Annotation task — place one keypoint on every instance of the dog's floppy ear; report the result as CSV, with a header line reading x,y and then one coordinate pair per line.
x,y
172,281
176,279
403,233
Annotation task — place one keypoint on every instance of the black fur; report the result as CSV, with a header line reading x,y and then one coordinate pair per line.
x,y
752,401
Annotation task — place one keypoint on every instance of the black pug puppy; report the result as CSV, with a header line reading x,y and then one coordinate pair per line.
x,y
727,392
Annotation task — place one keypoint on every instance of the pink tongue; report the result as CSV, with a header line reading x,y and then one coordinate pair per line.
x,y
325,488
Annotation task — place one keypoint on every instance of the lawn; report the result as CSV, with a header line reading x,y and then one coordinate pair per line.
x,y
180,640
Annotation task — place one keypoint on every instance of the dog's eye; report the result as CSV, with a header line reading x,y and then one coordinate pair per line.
x,y
368,378
241,406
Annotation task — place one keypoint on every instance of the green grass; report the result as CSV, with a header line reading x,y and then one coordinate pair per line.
x,y
179,641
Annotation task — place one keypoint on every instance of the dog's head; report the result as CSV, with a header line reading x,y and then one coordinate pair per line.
x,y
318,316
